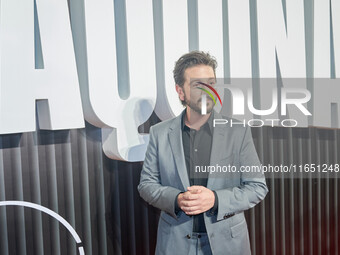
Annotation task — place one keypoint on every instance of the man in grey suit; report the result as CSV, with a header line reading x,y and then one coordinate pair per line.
x,y
202,212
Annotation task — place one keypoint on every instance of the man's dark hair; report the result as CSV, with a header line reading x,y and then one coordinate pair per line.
x,y
193,58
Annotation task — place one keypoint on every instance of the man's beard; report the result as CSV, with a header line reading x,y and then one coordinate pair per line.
x,y
195,105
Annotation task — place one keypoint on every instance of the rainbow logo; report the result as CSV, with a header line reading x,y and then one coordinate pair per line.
x,y
209,93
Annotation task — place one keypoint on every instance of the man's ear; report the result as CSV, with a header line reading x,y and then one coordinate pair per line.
x,y
180,91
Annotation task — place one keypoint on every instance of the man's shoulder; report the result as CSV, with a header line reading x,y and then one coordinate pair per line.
x,y
163,125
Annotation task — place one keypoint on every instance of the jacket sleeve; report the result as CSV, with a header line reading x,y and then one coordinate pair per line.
x,y
252,188
150,187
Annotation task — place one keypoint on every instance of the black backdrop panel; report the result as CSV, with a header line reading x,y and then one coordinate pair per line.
x,y
67,172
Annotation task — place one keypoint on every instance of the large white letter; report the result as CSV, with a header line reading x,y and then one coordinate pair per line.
x,y
210,30
176,43
326,103
281,36
239,39
326,91
322,35
97,63
286,39
54,83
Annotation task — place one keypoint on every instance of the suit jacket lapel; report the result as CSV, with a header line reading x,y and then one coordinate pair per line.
x,y
176,143
216,147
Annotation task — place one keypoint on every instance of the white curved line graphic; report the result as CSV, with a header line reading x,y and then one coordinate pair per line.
x,y
51,213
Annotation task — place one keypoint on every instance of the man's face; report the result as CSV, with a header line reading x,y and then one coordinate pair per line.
x,y
191,94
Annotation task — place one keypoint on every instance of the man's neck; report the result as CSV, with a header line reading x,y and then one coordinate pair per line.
x,y
194,119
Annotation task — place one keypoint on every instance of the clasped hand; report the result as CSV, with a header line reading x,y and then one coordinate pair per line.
x,y
196,200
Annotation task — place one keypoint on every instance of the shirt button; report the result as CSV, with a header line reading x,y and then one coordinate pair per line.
x,y
188,236
195,150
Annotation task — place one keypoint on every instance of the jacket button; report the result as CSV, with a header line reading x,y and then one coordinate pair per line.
x,y
188,236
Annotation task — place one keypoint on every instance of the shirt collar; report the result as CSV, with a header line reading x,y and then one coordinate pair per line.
x,y
208,124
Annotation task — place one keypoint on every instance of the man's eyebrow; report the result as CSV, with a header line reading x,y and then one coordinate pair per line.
x,y
206,80
202,83
194,80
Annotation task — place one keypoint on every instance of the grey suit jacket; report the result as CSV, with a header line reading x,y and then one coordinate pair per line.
x,y
164,175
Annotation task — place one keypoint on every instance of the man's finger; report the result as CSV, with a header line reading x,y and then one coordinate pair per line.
x,y
188,209
195,187
195,191
191,196
194,212
190,203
